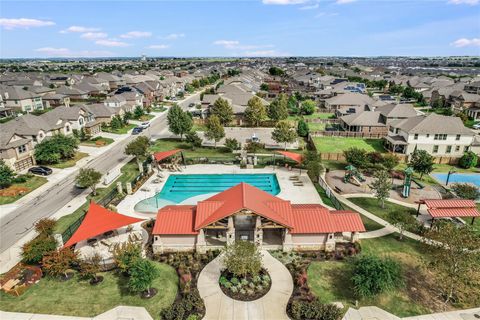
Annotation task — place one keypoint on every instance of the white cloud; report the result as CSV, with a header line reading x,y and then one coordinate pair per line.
x,y
464,42
470,2
310,7
284,2
111,43
24,23
136,34
158,46
64,52
79,29
265,53
174,36
93,35
344,1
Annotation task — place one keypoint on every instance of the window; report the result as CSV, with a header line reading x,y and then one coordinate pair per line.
x,y
457,137
428,135
415,137
67,128
457,148
22,149
435,149
440,137
449,149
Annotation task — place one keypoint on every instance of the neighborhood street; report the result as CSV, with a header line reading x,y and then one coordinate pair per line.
x,y
19,222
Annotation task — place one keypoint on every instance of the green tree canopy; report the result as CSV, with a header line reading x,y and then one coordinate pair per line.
x,y
356,156
56,148
278,109
6,175
179,121
142,274
308,107
223,110
284,133
242,258
214,130
232,144
193,140
293,105
468,160
466,191
382,185
302,128
88,178
255,112
276,71
421,162
138,147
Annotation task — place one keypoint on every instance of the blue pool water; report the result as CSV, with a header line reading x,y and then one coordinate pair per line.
x,y
180,187
459,178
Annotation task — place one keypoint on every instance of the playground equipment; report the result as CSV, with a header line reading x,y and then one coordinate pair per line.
x,y
407,182
353,176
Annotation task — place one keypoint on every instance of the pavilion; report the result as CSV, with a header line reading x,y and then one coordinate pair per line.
x,y
451,208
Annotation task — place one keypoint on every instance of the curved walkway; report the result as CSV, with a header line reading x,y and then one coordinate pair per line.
x,y
272,306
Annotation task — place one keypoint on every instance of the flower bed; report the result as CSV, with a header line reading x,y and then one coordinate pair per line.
x,y
20,277
245,289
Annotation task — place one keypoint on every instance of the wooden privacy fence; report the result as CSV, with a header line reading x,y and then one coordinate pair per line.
x,y
326,121
347,134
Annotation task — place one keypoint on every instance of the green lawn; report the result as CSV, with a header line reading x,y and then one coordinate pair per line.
x,y
129,171
369,224
32,183
78,298
93,142
71,162
373,206
330,280
340,144
334,165
146,117
123,130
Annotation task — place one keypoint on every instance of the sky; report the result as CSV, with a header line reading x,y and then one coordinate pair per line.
x,y
260,28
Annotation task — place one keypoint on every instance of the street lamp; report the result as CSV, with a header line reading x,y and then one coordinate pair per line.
x,y
451,171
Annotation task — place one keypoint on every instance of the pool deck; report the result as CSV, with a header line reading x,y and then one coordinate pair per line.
x,y
296,194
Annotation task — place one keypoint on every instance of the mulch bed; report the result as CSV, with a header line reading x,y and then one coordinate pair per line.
x,y
250,293
13,191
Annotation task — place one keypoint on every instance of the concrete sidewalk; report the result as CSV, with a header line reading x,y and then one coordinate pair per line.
x,y
272,306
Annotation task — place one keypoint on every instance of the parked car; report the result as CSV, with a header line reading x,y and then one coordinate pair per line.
x,y
191,105
476,126
137,130
40,170
145,125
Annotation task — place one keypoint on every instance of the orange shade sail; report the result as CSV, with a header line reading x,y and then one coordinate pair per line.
x,y
165,154
298,158
97,221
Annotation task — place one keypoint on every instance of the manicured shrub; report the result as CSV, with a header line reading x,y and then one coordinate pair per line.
x,y
57,263
314,310
142,273
125,255
242,258
34,250
45,226
468,160
466,191
373,275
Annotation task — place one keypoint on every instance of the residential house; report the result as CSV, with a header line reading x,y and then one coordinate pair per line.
x,y
348,103
473,87
460,101
16,151
20,100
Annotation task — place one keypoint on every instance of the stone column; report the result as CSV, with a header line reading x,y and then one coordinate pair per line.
x,y
59,239
119,187
230,231
258,232
149,168
287,241
330,243
201,245
129,187
354,237
157,245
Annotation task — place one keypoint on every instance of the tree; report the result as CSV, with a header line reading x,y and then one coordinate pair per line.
x,y
179,121
255,111
455,257
308,107
253,146
214,130
264,87
293,105
403,220
56,148
284,133
389,161
373,275
45,226
356,157
382,185
232,144
58,262
88,178
6,175
302,128
139,149
34,250
242,258
142,274
223,110
421,162
90,267
138,112
125,255
468,160
466,191
276,71
312,163
117,122
278,109
193,139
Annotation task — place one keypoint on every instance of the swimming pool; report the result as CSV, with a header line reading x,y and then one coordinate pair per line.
x,y
180,187
459,178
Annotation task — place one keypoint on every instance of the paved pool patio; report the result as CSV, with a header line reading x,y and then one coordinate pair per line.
x,y
296,194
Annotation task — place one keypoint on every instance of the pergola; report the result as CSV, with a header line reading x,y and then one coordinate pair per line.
x,y
97,221
451,208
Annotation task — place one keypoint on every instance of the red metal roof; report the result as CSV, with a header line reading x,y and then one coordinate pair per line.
x,y
97,221
175,220
165,154
449,203
292,155
299,218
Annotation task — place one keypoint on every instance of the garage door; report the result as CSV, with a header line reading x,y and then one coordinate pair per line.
x,y
23,164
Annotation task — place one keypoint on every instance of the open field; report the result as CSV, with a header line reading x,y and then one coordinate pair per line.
x,y
340,144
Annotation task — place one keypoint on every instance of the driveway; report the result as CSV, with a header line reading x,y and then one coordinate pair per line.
x,y
271,306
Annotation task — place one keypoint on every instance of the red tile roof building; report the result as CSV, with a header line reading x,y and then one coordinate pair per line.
x,y
247,213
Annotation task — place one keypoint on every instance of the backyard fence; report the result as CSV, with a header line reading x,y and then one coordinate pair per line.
x,y
337,204
347,134
326,121
67,234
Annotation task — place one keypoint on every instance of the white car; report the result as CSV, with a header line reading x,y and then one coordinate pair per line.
x,y
476,126
145,125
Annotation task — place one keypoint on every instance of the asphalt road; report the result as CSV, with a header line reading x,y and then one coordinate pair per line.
x,y
19,222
